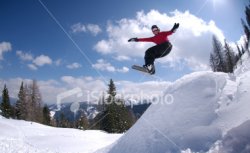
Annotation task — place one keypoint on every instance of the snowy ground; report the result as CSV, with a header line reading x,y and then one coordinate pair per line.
x,y
26,137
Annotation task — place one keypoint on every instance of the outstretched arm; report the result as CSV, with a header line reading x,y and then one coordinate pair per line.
x,y
140,39
146,39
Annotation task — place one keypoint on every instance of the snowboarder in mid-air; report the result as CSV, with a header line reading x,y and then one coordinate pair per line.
x,y
161,49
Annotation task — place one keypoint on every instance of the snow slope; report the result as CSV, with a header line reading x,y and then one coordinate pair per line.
x,y
26,137
195,114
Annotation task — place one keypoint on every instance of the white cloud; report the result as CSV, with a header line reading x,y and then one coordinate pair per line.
x,y
74,66
92,28
35,62
78,27
4,47
32,67
193,39
104,47
49,89
58,62
105,66
122,58
13,85
24,56
42,60
91,88
123,70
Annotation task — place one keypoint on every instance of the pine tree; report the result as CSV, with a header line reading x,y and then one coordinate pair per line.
x,y
34,102
111,92
5,105
63,122
115,117
246,28
46,115
242,50
97,121
36,95
82,123
107,117
101,103
230,58
238,59
247,12
29,106
247,34
218,57
125,117
21,104
212,62
108,122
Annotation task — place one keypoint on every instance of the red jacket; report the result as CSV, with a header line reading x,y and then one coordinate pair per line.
x,y
159,38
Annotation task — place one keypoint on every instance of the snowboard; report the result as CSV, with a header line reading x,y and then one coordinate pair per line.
x,y
140,68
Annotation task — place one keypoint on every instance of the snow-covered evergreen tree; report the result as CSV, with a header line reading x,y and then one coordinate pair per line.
x,y
115,118
5,105
217,59
21,104
36,102
230,58
46,115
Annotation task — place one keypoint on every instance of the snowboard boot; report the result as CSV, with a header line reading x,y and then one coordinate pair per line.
x,y
150,68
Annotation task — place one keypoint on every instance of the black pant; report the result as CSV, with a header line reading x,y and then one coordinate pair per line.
x,y
157,51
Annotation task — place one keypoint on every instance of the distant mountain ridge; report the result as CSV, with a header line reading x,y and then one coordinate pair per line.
x,y
73,113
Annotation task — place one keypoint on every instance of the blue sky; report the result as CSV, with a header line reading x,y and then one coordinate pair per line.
x,y
62,42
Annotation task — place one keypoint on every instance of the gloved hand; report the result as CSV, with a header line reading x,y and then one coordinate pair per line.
x,y
133,39
176,26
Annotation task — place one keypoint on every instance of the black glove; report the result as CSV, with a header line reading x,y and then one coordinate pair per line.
x,y
133,39
176,26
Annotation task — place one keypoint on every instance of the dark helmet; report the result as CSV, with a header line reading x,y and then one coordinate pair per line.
x,y
154,26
